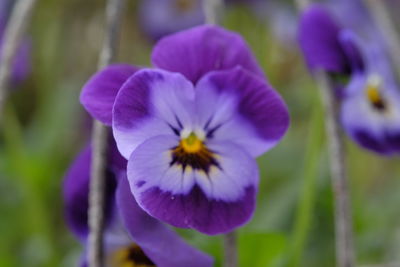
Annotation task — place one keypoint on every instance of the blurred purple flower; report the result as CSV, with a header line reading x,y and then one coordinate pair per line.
x,y
21,67
162,17
192,128
354,49
132,237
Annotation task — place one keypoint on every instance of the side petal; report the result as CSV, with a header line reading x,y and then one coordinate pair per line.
x,y
319,40
202,49
150,103
238,106
162,245
98,94
212,202
76,190
350,46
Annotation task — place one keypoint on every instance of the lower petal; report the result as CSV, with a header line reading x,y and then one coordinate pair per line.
x,y
156,240
213,201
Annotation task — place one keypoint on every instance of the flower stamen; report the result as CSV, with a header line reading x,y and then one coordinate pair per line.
x,y
374,95
192,152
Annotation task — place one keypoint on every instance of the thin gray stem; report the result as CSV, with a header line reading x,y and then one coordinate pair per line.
x,y
230,250
381,14
14,32
99,143
212,10
343,221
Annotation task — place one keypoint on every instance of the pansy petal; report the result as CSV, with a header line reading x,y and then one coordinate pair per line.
x,y
376,129
319,40
150,103
98,94
211,201
76,190
238,106
350,46
202,49
156,239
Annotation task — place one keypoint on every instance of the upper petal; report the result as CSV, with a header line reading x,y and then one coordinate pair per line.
x,y
162,245
212,200
319,40
98,94
238,106
150,103
202,49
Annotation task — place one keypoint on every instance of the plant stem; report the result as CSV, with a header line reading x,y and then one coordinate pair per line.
x,y
343,222
304,214
14,32
99,143
212,10
230,250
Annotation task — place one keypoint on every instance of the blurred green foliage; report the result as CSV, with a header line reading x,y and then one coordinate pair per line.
x,y
293,224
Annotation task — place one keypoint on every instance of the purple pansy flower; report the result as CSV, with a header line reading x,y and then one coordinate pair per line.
x,y
21,67
192,128
132,237
162,17
370,103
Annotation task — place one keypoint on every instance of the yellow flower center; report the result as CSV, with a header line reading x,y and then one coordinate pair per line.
x,y
192,144
130,256
373,93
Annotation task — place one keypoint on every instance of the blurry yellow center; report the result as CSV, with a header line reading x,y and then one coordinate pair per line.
x,y
184,5
192,144
130,256
373,93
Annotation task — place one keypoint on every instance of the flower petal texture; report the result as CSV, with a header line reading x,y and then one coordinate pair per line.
x,y
202,49
212,201
191,149
240,107
162,245
371,114
151,103
319,39
98,94
76,191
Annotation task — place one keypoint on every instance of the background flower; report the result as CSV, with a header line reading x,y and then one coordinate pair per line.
x,y
131,236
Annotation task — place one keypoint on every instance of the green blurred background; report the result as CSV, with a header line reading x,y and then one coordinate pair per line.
x,y
293,225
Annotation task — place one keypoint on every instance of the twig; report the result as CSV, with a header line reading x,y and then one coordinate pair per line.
x,y
301,4
14,32
343,222
99,144
212,10
230,250
382,18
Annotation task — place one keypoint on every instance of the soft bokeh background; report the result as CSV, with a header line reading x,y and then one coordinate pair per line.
x,y
45,127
